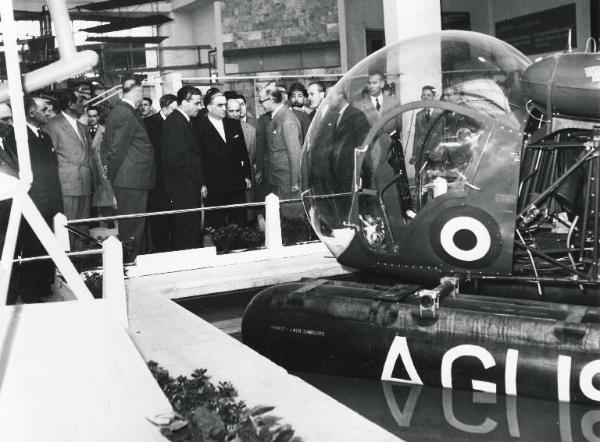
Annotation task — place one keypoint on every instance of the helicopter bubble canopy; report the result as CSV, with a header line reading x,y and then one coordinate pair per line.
x,y
406,129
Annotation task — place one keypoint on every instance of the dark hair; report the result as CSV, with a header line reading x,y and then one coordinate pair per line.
x,y
231,95
319,84
428,88
210,94
93,108
298,87
148,99
29,102
131,83
166,99
242,97
377,72
185,93
66,97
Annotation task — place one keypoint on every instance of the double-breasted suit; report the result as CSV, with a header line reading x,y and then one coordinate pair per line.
x,y
226,167
181,170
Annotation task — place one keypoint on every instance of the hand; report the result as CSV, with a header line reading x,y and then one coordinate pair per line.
x,y
248,183
258,177
295,188
412,160
204,192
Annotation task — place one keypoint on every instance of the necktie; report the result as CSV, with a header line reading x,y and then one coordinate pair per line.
x,y
377,105
93,132
427,114
40,134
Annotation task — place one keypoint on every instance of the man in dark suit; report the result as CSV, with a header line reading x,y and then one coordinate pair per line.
x,y
129,157
378,103
423,122
33,280
283,148
159,227
227,168
181,160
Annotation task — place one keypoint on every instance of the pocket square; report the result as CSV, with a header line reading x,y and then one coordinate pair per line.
x,y
236,136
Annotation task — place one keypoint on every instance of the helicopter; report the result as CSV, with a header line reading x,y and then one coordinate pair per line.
x,y
486,217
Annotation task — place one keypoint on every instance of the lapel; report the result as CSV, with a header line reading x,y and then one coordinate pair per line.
x,y
69,130
215,133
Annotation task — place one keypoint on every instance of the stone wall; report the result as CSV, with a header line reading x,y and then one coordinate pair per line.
x,y
264,23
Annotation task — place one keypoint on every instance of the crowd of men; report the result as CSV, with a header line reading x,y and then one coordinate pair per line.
x,y
197,150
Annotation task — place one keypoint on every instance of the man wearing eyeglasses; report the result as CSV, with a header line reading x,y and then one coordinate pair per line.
x,y
283,147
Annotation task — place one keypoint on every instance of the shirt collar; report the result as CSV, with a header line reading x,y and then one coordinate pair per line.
x,y
378,97
34,129
215,121
275,111
69,118
187,117
164,117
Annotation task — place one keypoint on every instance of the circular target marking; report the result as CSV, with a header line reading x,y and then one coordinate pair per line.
x,y
465,238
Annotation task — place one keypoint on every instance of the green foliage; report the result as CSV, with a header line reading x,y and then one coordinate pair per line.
x,y
209,413
296,230
234,237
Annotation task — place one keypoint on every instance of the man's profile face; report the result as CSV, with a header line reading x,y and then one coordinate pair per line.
x,y
93,117
375,85
234,110
297,99
38,113
427,94
315,96
218,107
265,100
6,114
191,106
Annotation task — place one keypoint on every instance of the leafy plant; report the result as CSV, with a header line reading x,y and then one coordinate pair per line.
x,y
93,280
205,412
234,237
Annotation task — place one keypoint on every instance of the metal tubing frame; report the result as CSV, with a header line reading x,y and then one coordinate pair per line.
x,y
71,63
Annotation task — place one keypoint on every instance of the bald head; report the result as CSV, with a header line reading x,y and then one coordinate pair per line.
x,y
132,91
6,114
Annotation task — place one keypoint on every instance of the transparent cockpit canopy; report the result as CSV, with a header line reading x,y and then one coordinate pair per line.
x,y
380,132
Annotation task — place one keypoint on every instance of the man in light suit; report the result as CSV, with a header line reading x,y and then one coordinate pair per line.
x,y
283,148
103,199
128,154
76,164
226,167
181,160
378,103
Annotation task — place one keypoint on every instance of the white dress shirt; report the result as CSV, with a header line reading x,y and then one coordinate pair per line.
x,y
218,124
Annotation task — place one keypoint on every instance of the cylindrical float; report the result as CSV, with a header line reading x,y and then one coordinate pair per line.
x,y
501,345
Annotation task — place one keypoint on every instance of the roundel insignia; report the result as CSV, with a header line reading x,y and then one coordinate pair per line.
x,y
466,236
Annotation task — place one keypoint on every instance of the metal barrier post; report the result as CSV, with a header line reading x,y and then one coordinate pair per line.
x,y
113,279
61,232
272,222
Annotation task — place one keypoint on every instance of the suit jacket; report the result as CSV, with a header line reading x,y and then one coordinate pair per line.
x,y
127,150
250,139
422,126
96,142
45,189
226,163
181,160
154,125
284,141
350,133
388,104
304,121
76,166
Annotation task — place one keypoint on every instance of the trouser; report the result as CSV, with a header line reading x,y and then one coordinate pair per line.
x,y
131,231
222,217
77,207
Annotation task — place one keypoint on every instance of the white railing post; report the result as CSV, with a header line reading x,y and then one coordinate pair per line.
x,y
61,232
272,222
113,279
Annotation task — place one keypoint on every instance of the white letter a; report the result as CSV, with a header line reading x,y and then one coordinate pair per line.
x,y
399,348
